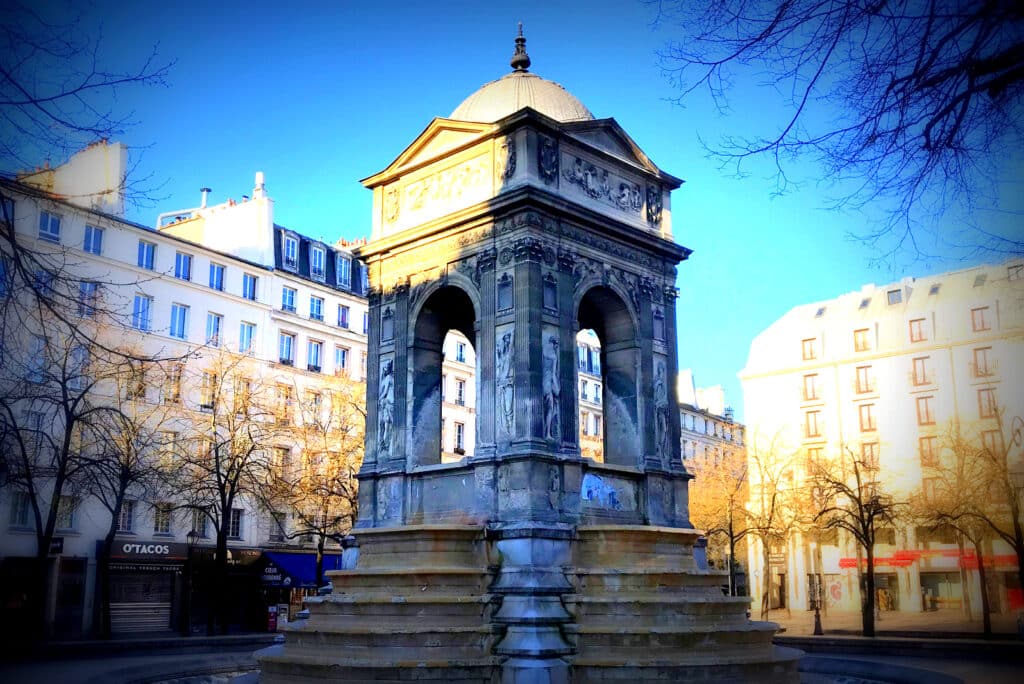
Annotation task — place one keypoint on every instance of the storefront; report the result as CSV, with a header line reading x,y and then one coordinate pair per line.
x,y
241,595
145,586
289,577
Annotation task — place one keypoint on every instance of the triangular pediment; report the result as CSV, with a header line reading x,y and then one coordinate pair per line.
x,y
608,136
440,137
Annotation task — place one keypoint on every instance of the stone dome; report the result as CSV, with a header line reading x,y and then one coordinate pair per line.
x,y
512,92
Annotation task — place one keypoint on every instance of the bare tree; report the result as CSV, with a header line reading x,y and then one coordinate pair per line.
x,y
912,103
128,451
853,500
224,459
56,95
772,513
321,491
718,497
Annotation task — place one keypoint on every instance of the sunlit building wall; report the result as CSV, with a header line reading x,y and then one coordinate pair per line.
x,y
884,374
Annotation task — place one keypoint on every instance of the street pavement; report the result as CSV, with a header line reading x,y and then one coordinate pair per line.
x,y
949,621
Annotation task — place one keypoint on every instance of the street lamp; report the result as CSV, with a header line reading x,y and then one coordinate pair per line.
x,y
191,539
817,496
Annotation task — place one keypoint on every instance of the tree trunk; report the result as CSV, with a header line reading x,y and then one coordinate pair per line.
x,y
868,605
320,561
965,578
986,618
766,600
732,563
220,583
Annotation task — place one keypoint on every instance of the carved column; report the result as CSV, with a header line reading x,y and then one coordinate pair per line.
x,y
529,345
486,392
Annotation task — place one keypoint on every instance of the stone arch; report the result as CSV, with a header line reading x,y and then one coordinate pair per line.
x,y
445,307
606,311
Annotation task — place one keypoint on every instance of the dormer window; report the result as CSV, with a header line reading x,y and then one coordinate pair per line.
x,y
364,281
344,271
291,253
316,262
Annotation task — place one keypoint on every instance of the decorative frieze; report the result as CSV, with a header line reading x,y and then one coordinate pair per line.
x,y
600,184
448,185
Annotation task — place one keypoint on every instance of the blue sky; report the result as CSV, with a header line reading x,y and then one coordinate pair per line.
x,y
320,95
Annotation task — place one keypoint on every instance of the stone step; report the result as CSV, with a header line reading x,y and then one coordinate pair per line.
x,y
639,581
304,667
658,610
435,609
780,667
391,642
411,582
672,643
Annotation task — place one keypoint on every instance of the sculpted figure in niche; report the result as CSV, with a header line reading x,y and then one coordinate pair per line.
x,y
551,387
653,204
386,404
547,159
506,382
661,409
506,159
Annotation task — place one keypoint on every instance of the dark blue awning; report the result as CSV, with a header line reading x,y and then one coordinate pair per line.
x,y
299,567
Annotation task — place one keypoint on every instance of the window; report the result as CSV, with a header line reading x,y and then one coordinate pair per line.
x,y
595,426
362,364
199,522
927,449
444,387
208,390
364,281
88,294
343,312
147,253
865,303
917,332
314,355
860,340
277,524
929,487
183,266
249,286
583,389
992,441
284,405
204,449
179,321
869,455
246,333
241,396
460,438
288,299
987,406
141,312
980,279
136,383
925,413
214,326
126,518
366,322
279,460
865,380
820,312
20,510
343,266
340,359
460,352
217,276
172,388
981,364
162,518
980,319
894,296
168,445
67,509
585,423
810,387
581,357
291,253
286,349
460,392
79,367
49,227
812,424
867,417
810,351
36,359
597,393
235,524
316,308
93,243
921,374
316,262
1015,272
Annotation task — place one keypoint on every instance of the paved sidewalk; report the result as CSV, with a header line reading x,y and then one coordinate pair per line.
x,y
942,623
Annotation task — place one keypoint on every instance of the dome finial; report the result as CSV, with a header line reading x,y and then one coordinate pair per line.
x,y
520,60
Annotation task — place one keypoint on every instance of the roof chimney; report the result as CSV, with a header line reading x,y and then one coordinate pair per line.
x,y
259,189
206,192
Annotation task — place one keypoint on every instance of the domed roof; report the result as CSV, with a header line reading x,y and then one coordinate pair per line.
x,y
512,92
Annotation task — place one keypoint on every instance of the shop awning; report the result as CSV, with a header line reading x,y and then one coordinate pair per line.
x,y
301,567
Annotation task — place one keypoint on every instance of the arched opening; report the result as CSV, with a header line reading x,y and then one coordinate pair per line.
x,y
590,395
614,376
434,358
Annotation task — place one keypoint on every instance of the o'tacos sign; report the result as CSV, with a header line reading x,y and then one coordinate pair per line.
x,y
148,550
